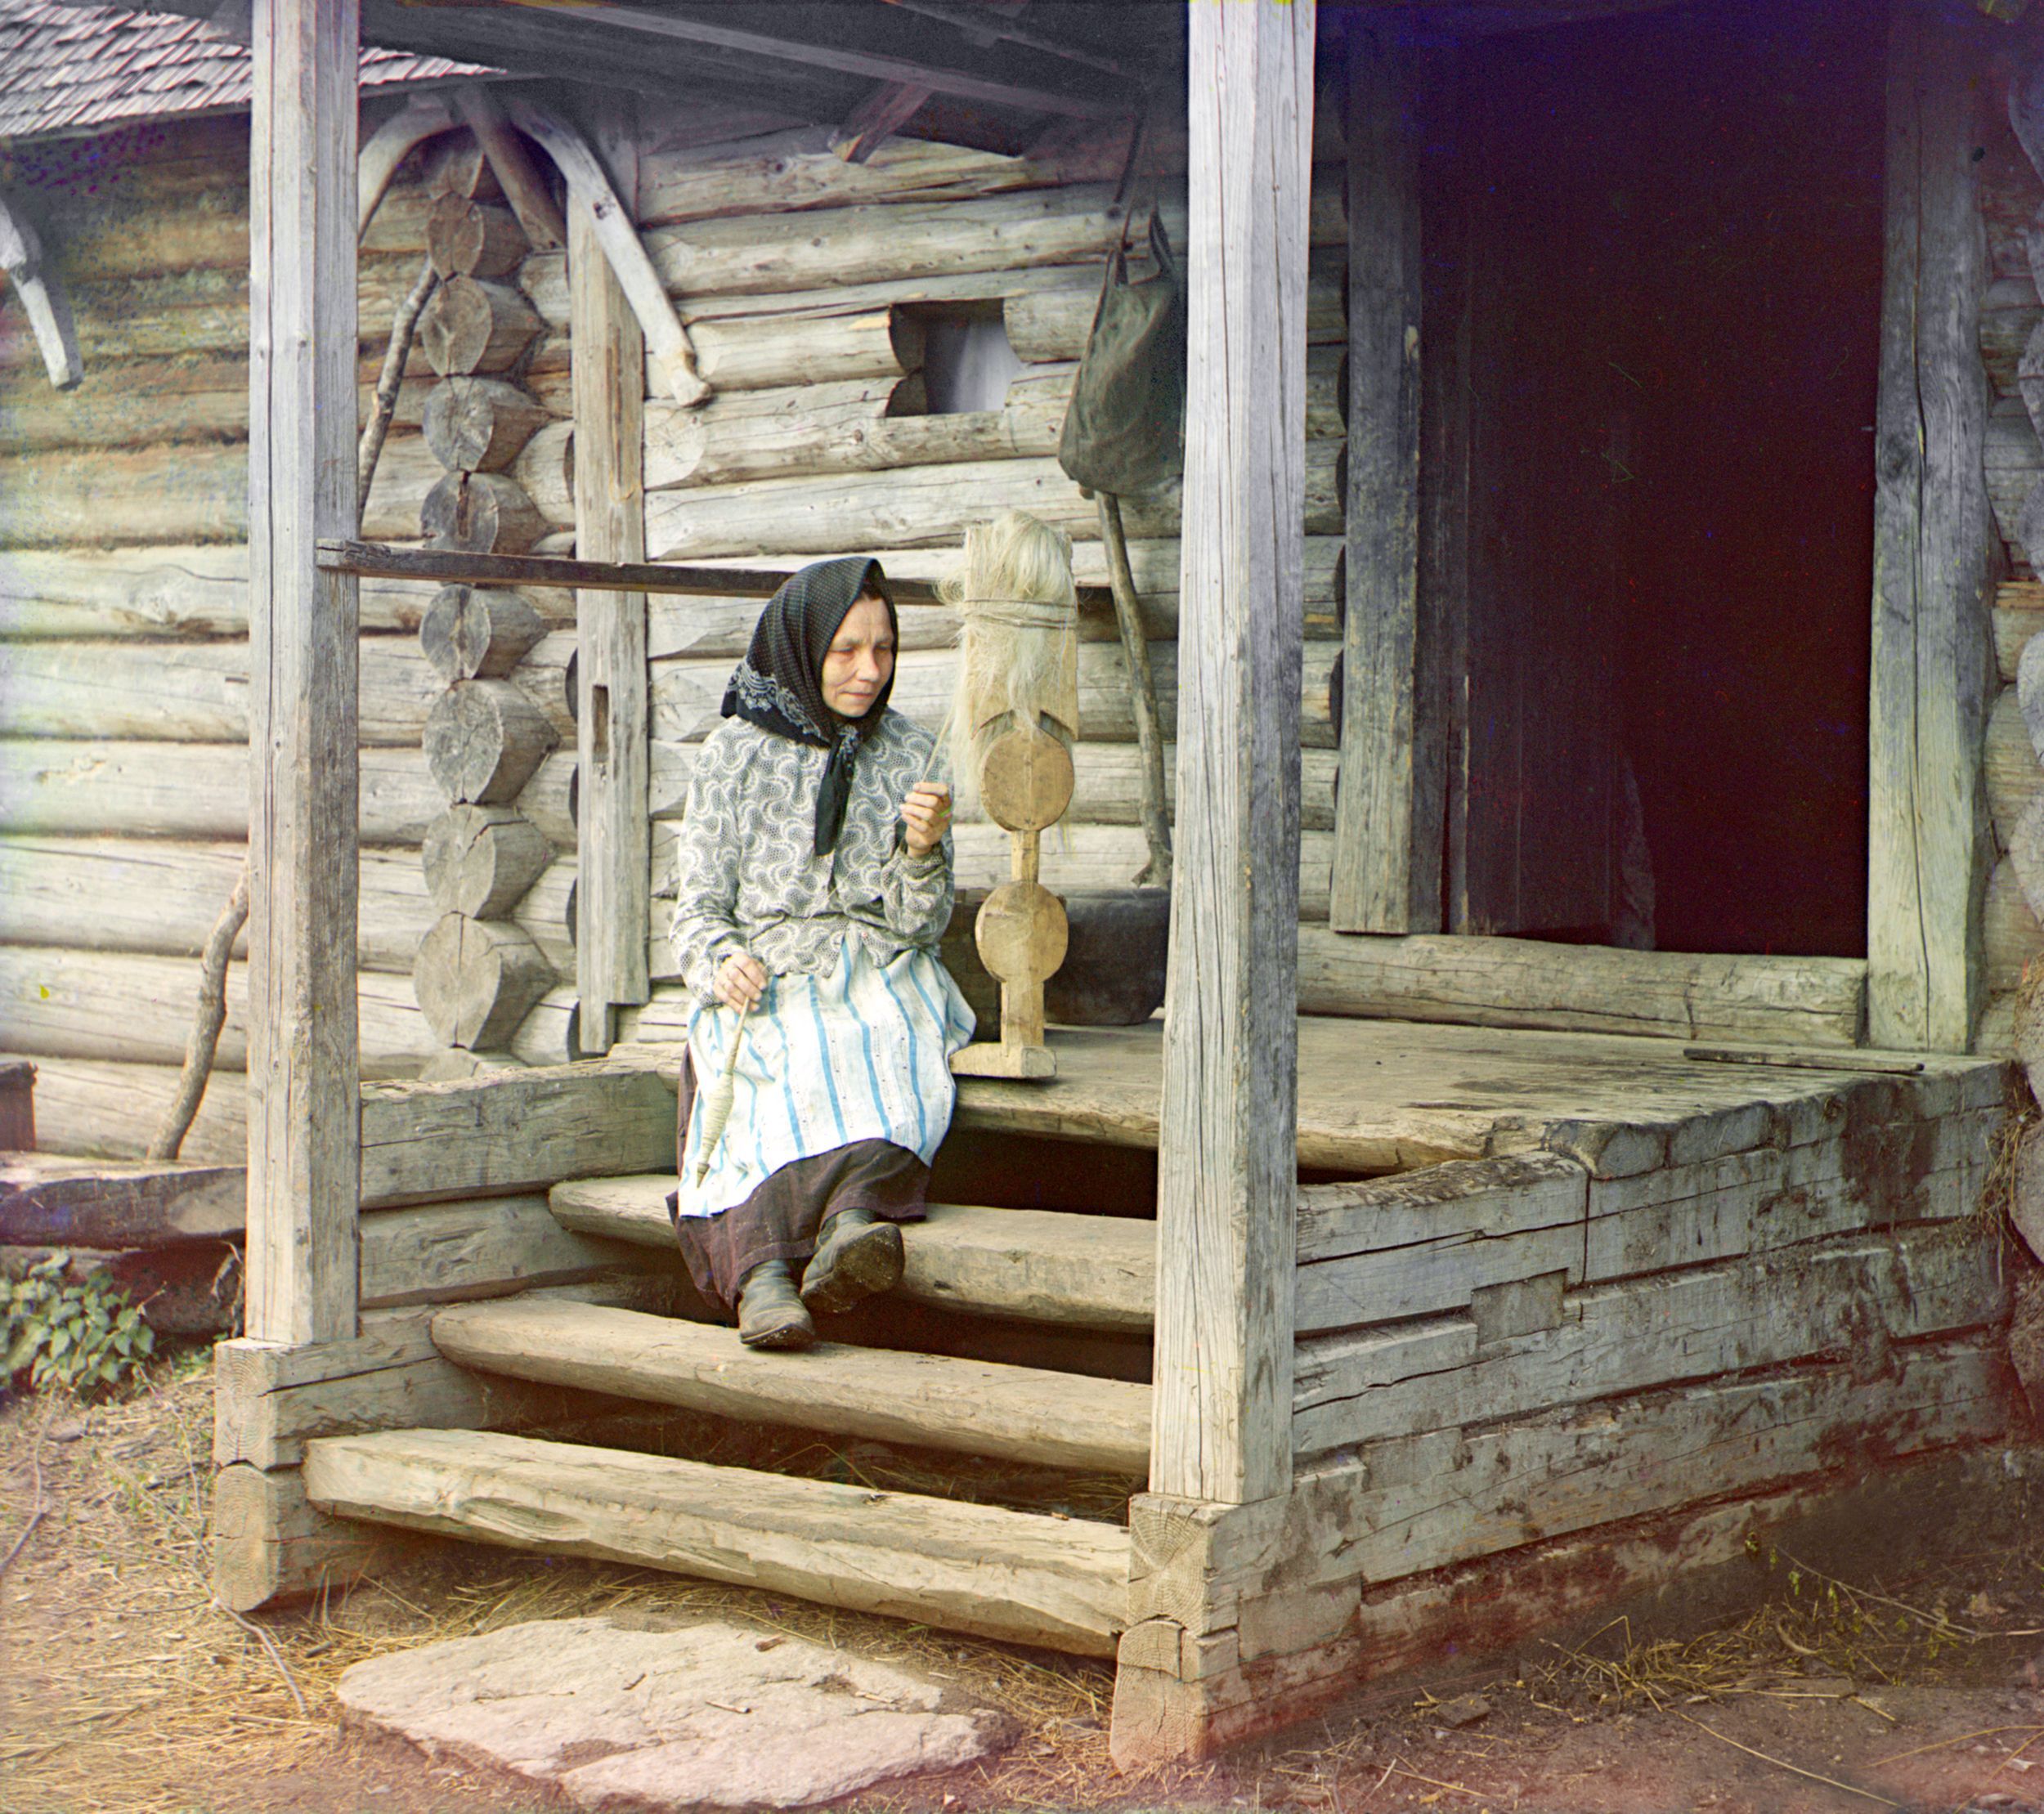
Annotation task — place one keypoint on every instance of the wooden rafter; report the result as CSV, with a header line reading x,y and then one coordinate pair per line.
x,y
846,59
876,119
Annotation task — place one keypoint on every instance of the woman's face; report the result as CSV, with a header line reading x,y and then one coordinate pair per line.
x,y
861,660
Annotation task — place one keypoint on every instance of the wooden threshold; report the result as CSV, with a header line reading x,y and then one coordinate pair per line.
x,y
1088,1272
1378,1096
1059,1583
932,1401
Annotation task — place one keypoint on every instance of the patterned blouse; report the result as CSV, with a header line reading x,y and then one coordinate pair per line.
x,y
748,878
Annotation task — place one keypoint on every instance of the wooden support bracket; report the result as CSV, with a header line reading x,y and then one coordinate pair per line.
x,y
43,295
421,118
589,186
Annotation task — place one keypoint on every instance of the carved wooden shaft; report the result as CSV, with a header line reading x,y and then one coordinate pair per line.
x,y
1025,784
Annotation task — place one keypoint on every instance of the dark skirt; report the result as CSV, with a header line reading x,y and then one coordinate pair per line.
x,y
780,1220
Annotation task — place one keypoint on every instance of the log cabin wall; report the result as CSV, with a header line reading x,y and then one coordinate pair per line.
x,y
124,650
2012,348
805,282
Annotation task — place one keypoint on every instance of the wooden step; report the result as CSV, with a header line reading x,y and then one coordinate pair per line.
x,y
1060,1583
1056,1420
1092,1272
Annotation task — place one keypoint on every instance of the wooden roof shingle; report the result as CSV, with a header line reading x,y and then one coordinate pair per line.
x,y
68,70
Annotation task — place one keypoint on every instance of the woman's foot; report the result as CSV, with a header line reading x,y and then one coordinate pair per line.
x,y
770,1312
857,1256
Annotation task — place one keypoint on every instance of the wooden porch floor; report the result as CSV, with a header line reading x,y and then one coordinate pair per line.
x,y
1388,1095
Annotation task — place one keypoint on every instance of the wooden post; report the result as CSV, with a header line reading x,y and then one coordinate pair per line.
x,y
1227,1184
614,859
1388,825
1928,844
304,1066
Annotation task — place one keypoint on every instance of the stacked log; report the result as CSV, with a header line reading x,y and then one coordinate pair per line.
x,y
478,974
123,641
2012,347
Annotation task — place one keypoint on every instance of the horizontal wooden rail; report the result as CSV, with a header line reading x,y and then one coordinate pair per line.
x,y
450,566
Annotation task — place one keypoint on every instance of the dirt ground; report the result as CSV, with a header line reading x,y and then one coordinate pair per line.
x,y
126,1689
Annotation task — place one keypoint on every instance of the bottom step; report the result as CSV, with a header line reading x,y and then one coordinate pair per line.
x,y
1059,1583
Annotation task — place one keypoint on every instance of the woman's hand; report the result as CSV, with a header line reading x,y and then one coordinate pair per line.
x,y
927,814
741,980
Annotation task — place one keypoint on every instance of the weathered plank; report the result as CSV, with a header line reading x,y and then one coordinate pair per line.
x,y
1527,983
1932,560
198,691
305,1059
1389,825
523,1131
1227,1181
1015,1576
929,506
1849,1298
840,345
127,1005
933,1401
1770,1197
163,895
53,1201
270,1543
1404,1505
614,852
1294,1649
90,1107
190,591
1424,1242
1094,1272
270,1401
481,1246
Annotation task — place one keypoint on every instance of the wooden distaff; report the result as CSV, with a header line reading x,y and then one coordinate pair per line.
x,y
716,1101
1025,784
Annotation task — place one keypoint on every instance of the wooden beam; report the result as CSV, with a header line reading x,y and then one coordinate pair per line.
x,y
1021,1577
516,1131
516,175
807,47
613,847
304,1058
1227,1178
42,296
1934,557
1388,825
452,567
874,119
931,1401
613,236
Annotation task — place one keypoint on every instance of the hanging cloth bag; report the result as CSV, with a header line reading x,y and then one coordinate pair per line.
x,y
1125,429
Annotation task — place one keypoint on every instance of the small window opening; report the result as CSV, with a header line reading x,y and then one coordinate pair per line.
x,y
967,362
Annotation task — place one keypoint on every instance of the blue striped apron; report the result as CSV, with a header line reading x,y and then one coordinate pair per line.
x,y
861,1053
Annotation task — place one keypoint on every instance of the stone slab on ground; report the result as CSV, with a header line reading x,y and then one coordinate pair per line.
x,y
712,1715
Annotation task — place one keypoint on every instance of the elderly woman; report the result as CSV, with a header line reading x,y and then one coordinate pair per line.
x,y
814,881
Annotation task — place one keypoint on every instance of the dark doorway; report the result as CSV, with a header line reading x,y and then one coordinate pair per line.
x,y
1656,244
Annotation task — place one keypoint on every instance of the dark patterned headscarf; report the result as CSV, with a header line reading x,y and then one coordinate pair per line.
x,y
779,685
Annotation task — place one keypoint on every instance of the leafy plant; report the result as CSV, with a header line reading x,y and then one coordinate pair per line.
x,y
81,1335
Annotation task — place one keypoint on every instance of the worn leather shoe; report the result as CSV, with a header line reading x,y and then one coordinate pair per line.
x,y
770,1312
857,1255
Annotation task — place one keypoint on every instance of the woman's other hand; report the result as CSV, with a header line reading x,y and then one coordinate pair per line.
x,y
927,814
741,981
